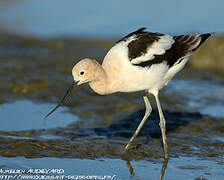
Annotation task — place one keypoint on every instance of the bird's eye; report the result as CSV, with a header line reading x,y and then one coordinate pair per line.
x,y
81,73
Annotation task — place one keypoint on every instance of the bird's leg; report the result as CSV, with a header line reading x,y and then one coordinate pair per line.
x,y
148,110
162,125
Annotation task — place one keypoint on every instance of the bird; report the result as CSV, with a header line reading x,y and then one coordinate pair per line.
x,y
140,61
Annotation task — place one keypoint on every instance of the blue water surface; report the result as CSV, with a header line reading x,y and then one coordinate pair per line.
x,y
102,18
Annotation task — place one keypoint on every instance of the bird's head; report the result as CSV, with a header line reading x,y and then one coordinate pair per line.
x,y
83,71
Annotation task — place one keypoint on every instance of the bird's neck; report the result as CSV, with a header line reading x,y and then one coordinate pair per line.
x,y
100,83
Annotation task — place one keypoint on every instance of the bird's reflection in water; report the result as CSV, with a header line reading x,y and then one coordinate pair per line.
x,y
131,170
162,172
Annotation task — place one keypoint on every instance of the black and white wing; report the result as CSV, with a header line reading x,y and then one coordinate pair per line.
x,y
144,48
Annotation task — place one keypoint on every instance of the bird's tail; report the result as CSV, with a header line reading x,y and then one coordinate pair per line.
x,y
203,38
191,42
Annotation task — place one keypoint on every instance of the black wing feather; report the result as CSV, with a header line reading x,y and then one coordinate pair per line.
x,y
183,45
138,32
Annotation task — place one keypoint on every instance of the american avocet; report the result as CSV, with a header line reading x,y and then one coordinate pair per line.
x,y
140,61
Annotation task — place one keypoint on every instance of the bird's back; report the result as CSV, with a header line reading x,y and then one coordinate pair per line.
x,y
143,60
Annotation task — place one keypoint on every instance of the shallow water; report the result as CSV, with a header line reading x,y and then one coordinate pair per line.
x,y
89,132
204,96
17,116
177,168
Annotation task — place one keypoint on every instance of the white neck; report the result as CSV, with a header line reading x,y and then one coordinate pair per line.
x,y
100,82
